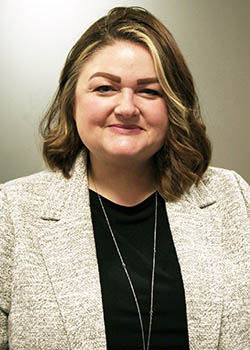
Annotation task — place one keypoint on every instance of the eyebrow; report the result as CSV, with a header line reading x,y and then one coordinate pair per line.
x,y
106,75
117,79
147,81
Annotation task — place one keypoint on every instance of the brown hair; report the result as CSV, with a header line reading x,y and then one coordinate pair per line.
x,y
183,159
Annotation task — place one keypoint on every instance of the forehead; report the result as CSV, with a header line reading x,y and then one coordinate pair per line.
x,y
125,45
119,56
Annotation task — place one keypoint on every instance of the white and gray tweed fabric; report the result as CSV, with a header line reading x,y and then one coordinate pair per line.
x,y
50,296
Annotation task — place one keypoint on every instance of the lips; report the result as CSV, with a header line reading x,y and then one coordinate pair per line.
x,y
125,128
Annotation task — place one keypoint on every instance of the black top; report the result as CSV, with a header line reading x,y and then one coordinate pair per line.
x,y
134,228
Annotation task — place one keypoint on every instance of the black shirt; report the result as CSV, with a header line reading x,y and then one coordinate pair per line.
x,y
134,228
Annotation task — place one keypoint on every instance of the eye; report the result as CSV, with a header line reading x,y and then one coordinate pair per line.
x,y
104,88
150,92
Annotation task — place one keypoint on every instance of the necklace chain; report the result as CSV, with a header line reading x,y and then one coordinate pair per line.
x,y
128,276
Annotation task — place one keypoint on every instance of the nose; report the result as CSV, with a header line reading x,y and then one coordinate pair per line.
x,y
126,106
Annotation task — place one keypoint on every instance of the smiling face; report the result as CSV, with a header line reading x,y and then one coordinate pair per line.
x,y
120,112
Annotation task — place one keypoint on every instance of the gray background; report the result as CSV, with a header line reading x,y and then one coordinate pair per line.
x,y
35,37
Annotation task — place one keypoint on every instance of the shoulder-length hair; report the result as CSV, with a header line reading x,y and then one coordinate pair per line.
x,y
184,157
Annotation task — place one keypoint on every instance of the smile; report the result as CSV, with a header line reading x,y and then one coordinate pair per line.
x,y
125,129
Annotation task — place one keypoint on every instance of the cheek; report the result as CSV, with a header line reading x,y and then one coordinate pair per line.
x,y
161,125
160,118
91,111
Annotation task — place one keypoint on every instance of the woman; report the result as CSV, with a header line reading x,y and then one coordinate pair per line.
x,y
130,240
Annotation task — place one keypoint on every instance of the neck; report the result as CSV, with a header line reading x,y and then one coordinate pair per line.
x,y
124,185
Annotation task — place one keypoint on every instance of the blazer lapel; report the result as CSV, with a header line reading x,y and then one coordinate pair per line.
x,y
196,230
68,247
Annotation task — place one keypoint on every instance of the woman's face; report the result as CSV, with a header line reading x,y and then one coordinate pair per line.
x,y
120,112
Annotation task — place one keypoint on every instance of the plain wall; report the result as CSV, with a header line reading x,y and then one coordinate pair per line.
x,y
35,37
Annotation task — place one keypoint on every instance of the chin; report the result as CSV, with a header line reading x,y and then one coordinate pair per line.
x,y
130,157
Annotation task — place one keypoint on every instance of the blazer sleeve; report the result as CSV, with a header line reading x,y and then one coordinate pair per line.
x,y
6,249
245,191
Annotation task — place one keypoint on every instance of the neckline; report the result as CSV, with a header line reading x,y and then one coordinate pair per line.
x,y
145,203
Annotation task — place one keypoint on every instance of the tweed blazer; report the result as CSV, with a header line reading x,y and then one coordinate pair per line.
x,y
50,294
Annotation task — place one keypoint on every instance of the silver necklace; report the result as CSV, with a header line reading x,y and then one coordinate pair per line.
x,y
129,279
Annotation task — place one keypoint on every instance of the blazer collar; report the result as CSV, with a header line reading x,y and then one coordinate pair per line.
x,y
66,195
198,196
